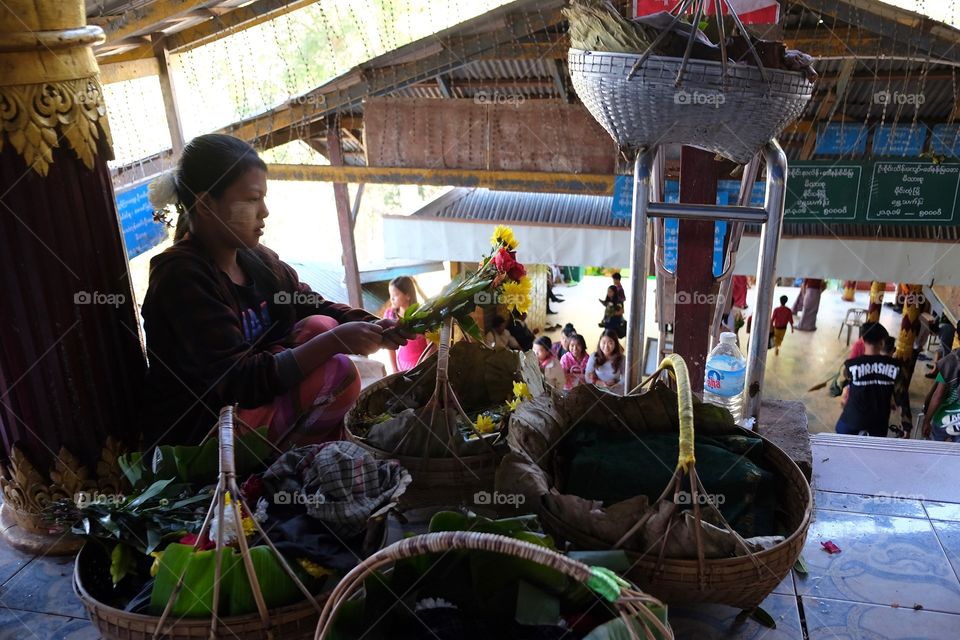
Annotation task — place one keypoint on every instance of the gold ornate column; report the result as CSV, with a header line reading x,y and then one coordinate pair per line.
x,y
877,290
71,361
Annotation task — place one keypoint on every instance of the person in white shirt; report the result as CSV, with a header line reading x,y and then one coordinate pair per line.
x,y
498,336
549,363
605,366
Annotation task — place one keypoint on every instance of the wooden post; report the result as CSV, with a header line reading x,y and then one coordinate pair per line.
x,y
169,93
691,331
344,221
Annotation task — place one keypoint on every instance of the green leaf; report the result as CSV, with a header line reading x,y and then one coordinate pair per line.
x,y
154,538
149,493
535,607
276,586
764,618
122,562
195,599
470,327
106,521
448,521
800,566
135,470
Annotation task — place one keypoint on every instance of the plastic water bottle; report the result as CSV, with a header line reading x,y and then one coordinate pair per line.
x,y
725,375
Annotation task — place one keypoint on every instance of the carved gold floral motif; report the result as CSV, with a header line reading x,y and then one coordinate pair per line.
x,y
35,118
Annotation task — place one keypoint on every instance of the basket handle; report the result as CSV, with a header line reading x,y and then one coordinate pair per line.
x,y
628,600
678,368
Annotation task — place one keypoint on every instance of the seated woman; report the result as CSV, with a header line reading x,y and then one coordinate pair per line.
x,y
498,336
403,293
549,363
605,366
227,322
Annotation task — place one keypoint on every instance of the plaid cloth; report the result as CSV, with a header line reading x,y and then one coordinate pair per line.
x,y
339,483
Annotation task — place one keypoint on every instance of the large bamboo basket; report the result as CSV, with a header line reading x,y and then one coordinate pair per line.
x,y
630,604
456,479
743,581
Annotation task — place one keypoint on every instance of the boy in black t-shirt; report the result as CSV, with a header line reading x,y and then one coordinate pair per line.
x,y
868,384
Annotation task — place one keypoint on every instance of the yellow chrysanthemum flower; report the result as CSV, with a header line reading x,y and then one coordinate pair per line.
x,y
155,567
433,336
522,391
484,424
503,235
517,294
312,568
513,404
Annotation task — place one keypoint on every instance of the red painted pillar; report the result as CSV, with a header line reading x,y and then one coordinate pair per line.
x,y
691,331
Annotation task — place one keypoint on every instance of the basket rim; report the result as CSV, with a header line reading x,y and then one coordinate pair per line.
x,y
675,61
362,442
800,531
92,604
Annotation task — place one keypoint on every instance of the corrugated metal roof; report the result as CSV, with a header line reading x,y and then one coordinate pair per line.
x,y
572,210
327,280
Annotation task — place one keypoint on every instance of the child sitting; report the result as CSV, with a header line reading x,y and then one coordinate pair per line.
x,y
549,363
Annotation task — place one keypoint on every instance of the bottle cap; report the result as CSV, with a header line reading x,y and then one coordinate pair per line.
x,y
728,337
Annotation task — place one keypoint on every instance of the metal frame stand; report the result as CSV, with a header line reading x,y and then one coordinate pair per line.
x,y
770,216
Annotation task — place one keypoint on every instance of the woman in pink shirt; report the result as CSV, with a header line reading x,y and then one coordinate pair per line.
x,y
403,293
574,362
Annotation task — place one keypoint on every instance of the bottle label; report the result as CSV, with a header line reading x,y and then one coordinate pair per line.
x,y
725,384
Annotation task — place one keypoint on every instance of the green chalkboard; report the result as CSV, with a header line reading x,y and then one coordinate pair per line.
x,y
874,192
823,191
913,192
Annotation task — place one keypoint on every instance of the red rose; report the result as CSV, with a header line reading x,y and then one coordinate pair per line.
x,y
205,543
504,260
516,272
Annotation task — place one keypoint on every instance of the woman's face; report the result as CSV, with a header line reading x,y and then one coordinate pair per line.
x,y
565,342
398,299
238,215
607,346
540,352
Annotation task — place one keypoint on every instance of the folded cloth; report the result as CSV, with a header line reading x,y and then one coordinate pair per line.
x,y
339,483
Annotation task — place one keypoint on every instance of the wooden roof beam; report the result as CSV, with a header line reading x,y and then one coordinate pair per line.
x,y
149,18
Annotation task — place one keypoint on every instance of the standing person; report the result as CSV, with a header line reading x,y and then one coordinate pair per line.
x,y
867,385
227,322
941,418
549,363
498,336
946,333
551,296
779,319
738,291
574,362
612,310
403,293
621,294
810,305
605,365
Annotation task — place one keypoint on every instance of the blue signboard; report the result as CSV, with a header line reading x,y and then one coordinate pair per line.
x,y
945,140
732,190
671,240
899,140
623,198
841,139
140,231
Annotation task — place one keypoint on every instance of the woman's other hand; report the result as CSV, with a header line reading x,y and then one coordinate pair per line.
x,y
393,335
359,338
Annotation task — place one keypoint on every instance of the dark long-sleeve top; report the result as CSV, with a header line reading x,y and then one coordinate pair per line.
x,y
212,343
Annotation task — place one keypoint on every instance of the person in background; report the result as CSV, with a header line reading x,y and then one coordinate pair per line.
x,y
941,418
946,333
738,291
808,303
551,296
867,385
574,362
612,310
403,293
498,336
227,322
549,363
779,319
521,332
857,349
563,345
605,365
621,294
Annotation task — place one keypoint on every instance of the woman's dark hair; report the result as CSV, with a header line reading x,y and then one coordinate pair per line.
x,y
612,293
544,342
616,359
889,345
405,285
210,163
579,340
497,322
568,329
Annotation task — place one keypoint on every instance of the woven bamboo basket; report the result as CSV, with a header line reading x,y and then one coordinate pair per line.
x,y
293,622
453,479
742,581
631,603
733,114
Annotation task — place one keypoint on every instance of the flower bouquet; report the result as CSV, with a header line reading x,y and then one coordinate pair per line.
x,y
499,279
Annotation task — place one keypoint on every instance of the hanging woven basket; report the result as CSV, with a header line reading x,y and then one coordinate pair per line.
x,y
733,115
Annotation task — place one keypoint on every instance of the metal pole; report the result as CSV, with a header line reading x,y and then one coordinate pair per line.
x,y
767,279
639,257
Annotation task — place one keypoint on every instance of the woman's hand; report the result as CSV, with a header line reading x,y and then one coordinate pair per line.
x,y
393,335
359,338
